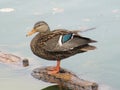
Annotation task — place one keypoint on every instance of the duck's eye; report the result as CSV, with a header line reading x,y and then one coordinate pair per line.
x,y
38,25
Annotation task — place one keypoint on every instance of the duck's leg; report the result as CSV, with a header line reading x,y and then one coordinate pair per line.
x,y
55,69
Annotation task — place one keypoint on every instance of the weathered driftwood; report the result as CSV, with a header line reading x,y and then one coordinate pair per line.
x,y
11,59
64,78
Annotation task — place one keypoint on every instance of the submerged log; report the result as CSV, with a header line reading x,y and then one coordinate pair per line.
x,y
64,79
11,59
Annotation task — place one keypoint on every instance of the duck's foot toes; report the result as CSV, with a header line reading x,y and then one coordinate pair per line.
x,y
53,70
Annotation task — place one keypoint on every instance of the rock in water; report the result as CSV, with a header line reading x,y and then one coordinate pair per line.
x,y
25,62
64,78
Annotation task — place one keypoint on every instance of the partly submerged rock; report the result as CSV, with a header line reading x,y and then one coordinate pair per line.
x,y
64,79
25,62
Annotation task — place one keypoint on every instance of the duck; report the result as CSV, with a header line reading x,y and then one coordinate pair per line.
x,y
58,44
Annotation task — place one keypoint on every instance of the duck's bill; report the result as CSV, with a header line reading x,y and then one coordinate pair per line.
x,y
31,32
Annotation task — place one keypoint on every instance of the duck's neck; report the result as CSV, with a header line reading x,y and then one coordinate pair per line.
x,y
36,38
39,35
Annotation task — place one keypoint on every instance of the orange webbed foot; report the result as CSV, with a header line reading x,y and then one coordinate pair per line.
x,y
54,70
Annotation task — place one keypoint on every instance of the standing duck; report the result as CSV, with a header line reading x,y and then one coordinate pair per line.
x,y
58,44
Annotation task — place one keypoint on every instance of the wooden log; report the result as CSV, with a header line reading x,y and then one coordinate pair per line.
x,y
8,58
64,79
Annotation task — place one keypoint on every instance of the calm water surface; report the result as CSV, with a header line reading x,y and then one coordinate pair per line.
x,y
101,65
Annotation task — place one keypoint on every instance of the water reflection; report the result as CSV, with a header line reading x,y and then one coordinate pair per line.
x,y
54,87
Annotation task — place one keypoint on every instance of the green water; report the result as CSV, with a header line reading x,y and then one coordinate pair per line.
x,y
101,65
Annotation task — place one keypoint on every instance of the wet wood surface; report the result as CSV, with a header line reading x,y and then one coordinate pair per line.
x,y
64,79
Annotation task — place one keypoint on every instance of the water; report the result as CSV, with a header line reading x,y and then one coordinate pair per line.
x,y
101,65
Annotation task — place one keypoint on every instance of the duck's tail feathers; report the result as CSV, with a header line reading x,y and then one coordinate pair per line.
x,y
87,48
92,41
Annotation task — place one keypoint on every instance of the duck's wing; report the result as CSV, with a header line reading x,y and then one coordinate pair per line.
x,y
71,41
63,40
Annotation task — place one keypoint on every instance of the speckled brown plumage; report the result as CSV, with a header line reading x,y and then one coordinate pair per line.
x,y
57,44
45,45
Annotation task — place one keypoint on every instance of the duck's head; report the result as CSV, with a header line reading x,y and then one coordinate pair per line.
x,y
41,27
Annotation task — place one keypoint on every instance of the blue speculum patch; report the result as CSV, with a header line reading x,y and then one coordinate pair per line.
x,y
66,37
